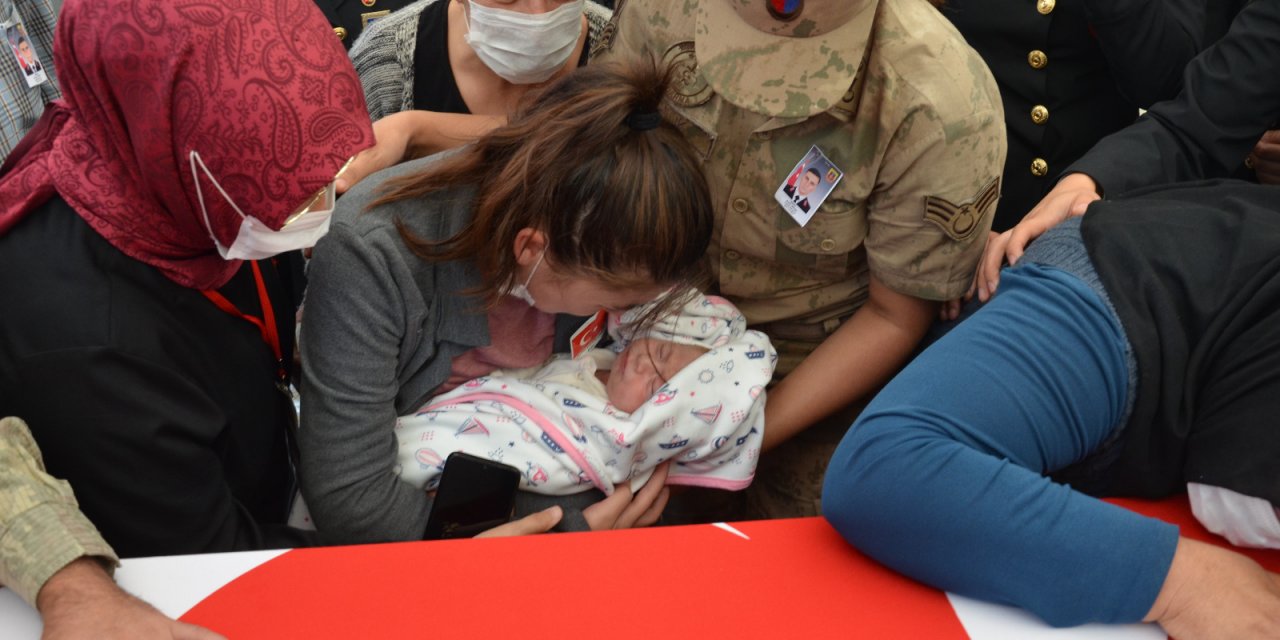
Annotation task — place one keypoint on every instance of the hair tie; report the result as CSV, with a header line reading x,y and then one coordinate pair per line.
x,y
644,120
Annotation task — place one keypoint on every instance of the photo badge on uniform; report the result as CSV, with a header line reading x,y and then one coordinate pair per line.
x,y
808,185
24,53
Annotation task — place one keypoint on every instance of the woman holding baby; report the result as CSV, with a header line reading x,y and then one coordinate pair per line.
x,y
446,268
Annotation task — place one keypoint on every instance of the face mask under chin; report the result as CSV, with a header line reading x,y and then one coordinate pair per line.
x,y
255,240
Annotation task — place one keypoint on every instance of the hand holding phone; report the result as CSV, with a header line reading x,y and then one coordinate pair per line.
x,y
475,495
532,524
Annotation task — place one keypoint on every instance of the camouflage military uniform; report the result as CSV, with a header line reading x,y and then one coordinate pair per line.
x,y
918,132
41,527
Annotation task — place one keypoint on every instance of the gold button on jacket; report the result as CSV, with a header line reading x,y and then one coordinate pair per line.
x,y
1039,114
1039,167
341,32
1037,59
1046,6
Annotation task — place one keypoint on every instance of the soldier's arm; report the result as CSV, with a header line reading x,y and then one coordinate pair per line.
x,y
851,363
928,220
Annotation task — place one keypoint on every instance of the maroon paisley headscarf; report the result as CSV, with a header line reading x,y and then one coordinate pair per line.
x,y
259,88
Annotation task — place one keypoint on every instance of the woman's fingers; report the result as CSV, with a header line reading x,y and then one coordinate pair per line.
x,y
392,135
540,522
640,512
989,269
625,509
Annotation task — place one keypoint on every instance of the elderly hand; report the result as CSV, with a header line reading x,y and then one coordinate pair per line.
x,y
1212,593
624,510
82,601
1070,197
1265,158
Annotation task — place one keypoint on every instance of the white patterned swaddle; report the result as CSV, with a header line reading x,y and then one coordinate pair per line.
x,y
708,419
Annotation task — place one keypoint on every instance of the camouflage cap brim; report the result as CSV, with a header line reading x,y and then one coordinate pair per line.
x,y
779,75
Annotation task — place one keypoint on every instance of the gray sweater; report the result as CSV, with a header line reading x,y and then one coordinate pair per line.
x,y
379,332
383,56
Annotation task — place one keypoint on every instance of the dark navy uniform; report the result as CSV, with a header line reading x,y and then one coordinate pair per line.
x,y
350,17
1231,98
1071,72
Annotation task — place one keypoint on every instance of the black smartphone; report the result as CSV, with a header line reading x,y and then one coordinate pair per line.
x,y
475,495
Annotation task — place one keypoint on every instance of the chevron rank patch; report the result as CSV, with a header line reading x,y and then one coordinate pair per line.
x,y
959,221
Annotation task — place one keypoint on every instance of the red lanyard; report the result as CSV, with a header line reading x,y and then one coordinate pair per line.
x,y
266,324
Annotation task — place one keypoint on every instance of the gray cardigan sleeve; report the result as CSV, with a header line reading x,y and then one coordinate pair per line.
x,y
383,58
353,324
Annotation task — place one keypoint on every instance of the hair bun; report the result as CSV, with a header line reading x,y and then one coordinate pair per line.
x,y
644,119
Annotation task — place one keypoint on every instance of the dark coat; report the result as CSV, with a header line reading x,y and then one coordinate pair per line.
x,y
160,409
1071,72
1231,98
349,17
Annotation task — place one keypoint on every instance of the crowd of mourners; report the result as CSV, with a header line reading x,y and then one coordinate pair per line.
x,y
944,272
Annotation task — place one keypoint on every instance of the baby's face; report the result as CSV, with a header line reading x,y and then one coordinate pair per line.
x,y
643,367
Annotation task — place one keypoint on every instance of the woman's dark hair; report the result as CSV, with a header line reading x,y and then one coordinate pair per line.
x,y
622,203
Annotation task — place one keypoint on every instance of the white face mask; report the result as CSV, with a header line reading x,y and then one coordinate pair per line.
x,y
257,241
522,290
523,48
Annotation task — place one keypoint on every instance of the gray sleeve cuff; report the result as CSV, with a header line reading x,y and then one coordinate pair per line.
x,y
573,520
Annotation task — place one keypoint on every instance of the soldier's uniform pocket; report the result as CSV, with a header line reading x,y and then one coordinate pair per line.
x,y
830,244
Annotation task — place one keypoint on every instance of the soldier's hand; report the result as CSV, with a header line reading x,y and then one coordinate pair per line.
x,y
1265,158
82,601
624,510
1070,197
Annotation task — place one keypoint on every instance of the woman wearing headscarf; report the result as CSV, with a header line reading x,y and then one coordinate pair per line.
x,y
148,325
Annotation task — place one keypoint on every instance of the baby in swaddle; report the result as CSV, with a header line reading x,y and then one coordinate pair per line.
x,y
688,388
